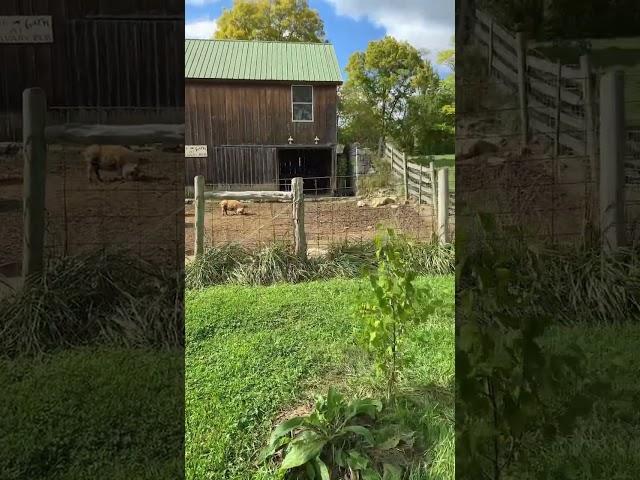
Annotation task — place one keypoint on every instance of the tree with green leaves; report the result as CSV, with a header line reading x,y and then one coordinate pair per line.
x,y
280,20
448,56
384,77
428,127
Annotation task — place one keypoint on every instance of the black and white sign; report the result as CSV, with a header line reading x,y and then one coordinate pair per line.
x,y
195,151
31,29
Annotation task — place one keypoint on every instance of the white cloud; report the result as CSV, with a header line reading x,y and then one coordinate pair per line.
x,y
426,24
200,29
199,3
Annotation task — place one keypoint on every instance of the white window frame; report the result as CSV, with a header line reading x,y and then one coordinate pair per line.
x,y
303,103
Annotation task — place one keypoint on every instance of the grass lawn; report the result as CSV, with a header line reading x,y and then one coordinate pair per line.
x,y
606,445
89,413
256,352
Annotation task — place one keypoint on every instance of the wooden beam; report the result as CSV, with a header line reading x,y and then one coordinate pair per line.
x,y
272,196
116,134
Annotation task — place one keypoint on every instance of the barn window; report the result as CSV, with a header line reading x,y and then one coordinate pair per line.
x,y
302,103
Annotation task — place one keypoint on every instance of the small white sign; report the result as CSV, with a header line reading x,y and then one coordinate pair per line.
x,y
195,151
31,29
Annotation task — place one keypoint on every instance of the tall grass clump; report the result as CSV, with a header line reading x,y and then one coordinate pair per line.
x,y
94,298
215,266
572,283
277,263
587,284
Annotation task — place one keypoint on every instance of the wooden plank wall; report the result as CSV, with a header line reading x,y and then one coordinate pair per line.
x,y
218,113
253,167
99,58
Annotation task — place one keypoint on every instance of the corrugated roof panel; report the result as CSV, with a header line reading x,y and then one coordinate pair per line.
x,y
255,60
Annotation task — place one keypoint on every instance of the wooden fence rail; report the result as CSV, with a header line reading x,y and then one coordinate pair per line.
x,y
556,100
428,185
116,134
421,182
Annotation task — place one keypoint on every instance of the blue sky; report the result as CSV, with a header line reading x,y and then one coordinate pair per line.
x,y
351,24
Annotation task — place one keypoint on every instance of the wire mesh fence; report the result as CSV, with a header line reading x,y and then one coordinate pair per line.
x,y
506,91
331,215
552,186
144,217
547,187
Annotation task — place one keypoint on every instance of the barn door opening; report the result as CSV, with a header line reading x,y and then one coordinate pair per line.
x,y
312,164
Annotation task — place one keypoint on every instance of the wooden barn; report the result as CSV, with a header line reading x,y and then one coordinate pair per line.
x,y
266,112
98,61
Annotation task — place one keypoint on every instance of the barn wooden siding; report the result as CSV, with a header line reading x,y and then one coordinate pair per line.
x,y
250,167
110,61
255,113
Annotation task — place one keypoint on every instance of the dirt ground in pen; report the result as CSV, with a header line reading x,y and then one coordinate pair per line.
x,y
144,216
326,221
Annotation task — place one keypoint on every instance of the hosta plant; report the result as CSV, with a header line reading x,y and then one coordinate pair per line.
x,y
340,440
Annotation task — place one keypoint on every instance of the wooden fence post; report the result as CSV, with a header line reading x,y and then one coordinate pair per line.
x,y
420,187
589,120
434,186
556,145
522,87
406,176
612,149
299,237
34,111
443,205
490,71
357,172
199,216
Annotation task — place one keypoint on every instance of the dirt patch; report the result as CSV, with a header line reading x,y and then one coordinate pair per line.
x,y
144,216
297,411
326,222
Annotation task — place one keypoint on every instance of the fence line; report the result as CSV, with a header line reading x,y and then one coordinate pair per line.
x,y
551,94
567,104
62,214
420,182
296,196
328,221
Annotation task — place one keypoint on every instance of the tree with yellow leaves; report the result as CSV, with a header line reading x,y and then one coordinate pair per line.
x,y
281,20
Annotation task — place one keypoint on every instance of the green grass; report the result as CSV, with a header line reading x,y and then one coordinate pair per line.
x,y
91,413
606,444
256,352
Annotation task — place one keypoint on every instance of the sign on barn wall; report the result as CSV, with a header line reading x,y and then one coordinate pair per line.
x,y
21,29
195,151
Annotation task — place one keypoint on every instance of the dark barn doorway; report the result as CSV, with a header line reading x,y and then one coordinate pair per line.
x,y
312,164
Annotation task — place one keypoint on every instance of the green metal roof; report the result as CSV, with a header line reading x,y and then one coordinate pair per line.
x,y
257,60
